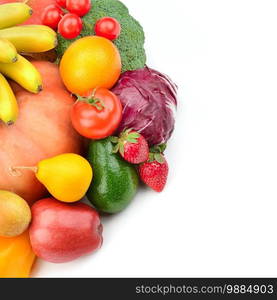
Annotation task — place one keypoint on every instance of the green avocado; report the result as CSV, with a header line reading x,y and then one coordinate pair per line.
x,y
115,181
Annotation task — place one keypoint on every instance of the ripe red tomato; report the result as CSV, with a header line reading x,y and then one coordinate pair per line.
x,y
51,16
99,119
70,26
108,27
78,7
61,3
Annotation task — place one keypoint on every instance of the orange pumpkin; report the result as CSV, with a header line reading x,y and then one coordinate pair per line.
x,y
42,130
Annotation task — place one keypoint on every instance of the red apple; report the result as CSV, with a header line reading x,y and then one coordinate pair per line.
x,y
61,232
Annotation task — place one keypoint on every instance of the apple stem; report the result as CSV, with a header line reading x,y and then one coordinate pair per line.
x,y
16,171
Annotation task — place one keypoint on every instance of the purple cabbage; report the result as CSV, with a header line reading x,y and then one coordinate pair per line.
x,y
149,100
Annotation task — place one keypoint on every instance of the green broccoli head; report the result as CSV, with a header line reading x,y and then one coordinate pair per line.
x,y
131,40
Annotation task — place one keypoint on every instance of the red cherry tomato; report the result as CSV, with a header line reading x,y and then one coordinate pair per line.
x,y
78,7
99,119
70,26
51,16
108,27
61,3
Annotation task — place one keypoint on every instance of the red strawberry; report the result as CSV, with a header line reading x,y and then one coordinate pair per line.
x,y
132,146
154,172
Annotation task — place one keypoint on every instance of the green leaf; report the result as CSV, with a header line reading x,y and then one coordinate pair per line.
x,y
133,141
121,149
162,147
134,135
159,158
114,139
127,131
151,157
116,148
158,148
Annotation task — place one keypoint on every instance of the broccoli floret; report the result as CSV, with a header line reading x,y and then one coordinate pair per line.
x,y
131,40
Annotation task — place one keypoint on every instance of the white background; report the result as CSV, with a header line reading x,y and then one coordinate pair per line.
x,y
217,216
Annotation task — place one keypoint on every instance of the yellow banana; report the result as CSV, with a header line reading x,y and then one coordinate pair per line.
x,y
41,27
24,73
8,53
12,14
8,103
30,38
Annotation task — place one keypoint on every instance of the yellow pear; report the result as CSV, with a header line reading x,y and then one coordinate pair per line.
x,y
67,176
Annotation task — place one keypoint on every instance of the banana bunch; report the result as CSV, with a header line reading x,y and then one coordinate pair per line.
x,y
14,40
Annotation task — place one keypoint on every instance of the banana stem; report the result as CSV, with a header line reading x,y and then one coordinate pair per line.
x,y
16,171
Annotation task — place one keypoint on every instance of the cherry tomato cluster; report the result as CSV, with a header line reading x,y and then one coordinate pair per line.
x,y
65,16
69,24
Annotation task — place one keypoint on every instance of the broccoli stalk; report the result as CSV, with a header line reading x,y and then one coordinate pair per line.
x,y
131,40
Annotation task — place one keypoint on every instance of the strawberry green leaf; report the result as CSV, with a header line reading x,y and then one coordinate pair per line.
x,y
133,141
158,148
162,147
121,149
114,139
151,157
127,131
134,135
159,158
116,148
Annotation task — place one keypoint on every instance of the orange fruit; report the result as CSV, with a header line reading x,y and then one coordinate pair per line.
x,y
89,63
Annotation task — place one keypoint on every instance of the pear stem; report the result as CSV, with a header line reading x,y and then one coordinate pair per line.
x,y
16,171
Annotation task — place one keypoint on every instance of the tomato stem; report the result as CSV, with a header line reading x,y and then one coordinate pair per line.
x,y
96,102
